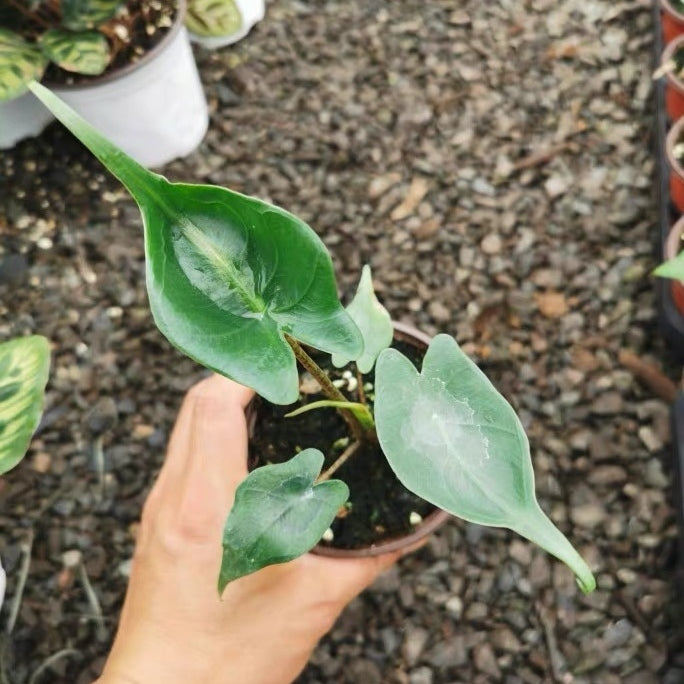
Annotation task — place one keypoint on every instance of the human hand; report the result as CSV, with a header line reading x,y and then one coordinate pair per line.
x,y
173,626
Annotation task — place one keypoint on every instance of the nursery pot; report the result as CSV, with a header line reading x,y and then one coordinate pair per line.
x,y
672,21
251,12
381,508
674,86
673,246
155,109
22,117
676,169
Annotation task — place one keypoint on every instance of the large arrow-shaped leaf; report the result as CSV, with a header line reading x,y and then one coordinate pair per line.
x,y
228,276
451,438
278,514
24,367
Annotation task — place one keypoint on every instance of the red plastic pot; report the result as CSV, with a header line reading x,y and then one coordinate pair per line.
x,y
673,246
674,86
672,21
676,170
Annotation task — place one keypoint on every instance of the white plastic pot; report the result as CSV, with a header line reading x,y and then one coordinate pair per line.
x,y
252,11
22,117
155,109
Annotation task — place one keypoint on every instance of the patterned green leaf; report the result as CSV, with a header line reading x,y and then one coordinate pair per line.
x,y
24,367
453,440
228,276
213,17
84,52
279,514
20,63
79,15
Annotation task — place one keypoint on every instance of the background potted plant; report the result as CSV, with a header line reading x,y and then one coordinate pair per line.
x,y
672,19
240,285
24,368
671,66
107,58
217,23
674,265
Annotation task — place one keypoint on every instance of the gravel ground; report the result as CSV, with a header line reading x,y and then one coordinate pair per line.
x,y
491,161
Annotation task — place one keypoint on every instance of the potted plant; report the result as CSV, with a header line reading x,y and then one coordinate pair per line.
x,y
217,23
674,265
24,367
671,66
674,152
107,58
672,19
241,286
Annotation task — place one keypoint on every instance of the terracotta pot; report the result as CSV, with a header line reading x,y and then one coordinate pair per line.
x,y
674,86
676,169
154,109
671,20
673,246
423,529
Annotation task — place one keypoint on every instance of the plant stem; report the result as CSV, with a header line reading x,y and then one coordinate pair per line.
x,y
341,460
328,388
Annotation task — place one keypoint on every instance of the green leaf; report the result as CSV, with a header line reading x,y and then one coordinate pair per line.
x,y
373,321
85,52
24,367
213,17
228,276
673,268
279,514
453,440
20,63
79,15
360,411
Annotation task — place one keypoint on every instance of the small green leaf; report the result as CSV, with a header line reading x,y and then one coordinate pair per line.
x,y
373,321
278,514
673,268
20,63
228,276
85,52
453,440
24,367
80,15
213,17
360,411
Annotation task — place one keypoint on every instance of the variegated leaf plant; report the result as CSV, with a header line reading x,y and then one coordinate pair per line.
x,y
68,38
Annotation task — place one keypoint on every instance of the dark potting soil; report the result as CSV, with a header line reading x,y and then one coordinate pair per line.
x,y
131,34
379,506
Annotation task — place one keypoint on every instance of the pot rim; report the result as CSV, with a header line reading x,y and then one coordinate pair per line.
x,y
124,71
433,521
668,53
667,6
670,141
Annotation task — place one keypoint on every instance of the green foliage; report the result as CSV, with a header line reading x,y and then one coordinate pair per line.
x,y
279,513
213,17
80,15
228,276
20,63
70,42
373,321
361,412
451,438
673,268
24,367
85,52
230,280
